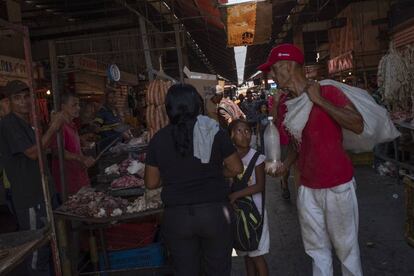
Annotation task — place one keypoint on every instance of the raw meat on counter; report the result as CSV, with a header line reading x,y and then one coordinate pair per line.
x,y
127,181
132,166
136,167
138,141
89,203
123,166
151,200
114,169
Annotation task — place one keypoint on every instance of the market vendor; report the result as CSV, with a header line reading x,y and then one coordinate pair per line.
x,y
5,184
108,123
76,164
4,104
19,152
327,204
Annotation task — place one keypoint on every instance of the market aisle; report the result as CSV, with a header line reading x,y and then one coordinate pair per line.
x,y
384,251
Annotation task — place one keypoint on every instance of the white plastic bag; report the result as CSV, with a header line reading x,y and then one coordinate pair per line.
x,y
271,139
378,127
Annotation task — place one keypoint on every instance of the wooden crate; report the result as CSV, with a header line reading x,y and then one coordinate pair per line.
x,y
409,203
362,159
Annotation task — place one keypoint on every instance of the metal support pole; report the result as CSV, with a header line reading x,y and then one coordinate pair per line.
x,y
56,107
62,234
145,43
45,184
179,52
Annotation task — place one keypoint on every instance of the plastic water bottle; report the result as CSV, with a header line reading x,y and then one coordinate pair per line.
x,y
271,147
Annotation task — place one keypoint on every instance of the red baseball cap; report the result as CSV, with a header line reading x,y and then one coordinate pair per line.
x,y
283,52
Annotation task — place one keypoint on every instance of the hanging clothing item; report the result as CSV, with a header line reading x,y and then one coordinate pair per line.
x,y
329,218
378,127
205,129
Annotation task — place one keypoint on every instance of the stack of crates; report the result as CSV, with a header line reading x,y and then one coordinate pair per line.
x,y
152,255
132,245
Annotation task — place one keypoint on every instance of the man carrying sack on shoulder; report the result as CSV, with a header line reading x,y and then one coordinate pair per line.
x,y
327,203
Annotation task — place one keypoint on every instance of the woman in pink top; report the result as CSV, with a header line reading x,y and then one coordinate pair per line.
x,y
76,164
279,110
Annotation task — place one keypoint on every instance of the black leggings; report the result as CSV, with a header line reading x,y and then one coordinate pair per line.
x,y
199,238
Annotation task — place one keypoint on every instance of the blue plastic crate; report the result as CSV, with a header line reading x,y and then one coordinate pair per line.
x,y
149,256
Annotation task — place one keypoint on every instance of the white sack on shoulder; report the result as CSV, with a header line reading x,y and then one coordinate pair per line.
x,y
298,114
378,127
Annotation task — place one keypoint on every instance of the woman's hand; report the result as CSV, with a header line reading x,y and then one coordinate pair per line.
x,y
233,197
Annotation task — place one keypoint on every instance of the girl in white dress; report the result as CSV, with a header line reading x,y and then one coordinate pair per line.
x,y
241,135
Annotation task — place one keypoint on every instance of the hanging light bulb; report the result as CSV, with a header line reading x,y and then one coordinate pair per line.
x,y
48,92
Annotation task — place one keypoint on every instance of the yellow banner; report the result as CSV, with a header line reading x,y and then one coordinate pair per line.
x,y
241,24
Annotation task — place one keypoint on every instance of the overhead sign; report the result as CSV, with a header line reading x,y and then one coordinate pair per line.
x,y
341,63
13,67
82,63
199,76
241,24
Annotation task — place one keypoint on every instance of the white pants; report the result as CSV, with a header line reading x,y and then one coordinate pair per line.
x,y
330,217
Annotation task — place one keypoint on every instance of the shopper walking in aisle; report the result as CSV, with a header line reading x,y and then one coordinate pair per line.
x,y
191,157
241,134
227,110
249,108
19,153
327,204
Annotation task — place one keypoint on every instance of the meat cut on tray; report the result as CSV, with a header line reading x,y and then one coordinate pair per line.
x,y
127,181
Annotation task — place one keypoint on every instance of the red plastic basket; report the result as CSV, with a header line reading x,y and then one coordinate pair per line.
x,y
130,235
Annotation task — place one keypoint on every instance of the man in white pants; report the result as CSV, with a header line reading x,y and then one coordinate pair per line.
x,y
327,204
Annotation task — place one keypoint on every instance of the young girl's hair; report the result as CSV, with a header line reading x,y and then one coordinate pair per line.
x,y
236,123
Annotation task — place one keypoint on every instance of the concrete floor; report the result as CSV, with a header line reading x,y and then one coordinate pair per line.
x,y
384,251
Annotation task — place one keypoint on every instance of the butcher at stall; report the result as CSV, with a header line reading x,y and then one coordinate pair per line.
x,y
108,122
75,163
327,204
19,152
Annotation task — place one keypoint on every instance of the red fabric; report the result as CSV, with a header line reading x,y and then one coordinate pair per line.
x,y
323,162
281,114
282,52
270,102
76,176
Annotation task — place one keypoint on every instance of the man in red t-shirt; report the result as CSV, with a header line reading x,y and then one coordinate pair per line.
x,y
327,205
76,164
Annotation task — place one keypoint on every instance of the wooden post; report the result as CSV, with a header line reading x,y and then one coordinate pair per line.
x,y
298,37
56,107
63,246
179,52
145,44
